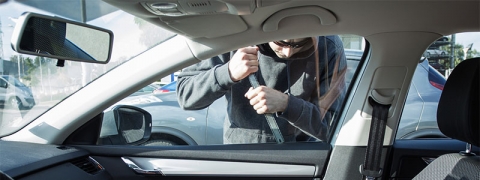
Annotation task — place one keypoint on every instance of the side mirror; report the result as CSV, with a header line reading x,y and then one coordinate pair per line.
x,y
125,125
61,39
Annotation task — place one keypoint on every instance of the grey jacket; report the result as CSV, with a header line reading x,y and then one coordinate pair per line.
x,y
201,84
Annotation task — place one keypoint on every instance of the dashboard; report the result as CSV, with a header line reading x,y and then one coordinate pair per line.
x,y
20,160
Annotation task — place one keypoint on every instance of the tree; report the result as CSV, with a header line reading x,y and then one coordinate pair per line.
x,y
458,54
23,64
473,53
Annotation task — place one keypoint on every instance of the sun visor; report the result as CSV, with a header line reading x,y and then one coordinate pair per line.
x,y
210,18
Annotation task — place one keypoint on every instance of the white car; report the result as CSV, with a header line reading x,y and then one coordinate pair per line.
x,y
103,51
15,94
432,52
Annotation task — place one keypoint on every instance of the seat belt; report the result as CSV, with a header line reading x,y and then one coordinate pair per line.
x,y
272,123
371,166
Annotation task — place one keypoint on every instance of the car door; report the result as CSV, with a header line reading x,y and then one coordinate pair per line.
x,y
293,160
212,158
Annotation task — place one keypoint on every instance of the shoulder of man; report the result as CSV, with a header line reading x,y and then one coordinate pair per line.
x,y
332,40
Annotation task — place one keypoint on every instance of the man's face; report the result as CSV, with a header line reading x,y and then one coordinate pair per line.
x,y
289,47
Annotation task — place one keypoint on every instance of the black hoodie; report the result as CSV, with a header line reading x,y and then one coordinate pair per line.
x,y
201,84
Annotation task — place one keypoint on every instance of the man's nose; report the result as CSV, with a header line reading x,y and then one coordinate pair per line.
x,y
287,51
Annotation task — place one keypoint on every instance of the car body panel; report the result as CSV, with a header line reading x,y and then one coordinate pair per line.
x,y
146,90
170,87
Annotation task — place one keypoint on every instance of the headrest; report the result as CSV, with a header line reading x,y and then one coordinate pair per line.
x,y
458,108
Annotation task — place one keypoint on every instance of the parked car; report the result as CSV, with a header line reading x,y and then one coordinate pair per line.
x,y
171,125
443,39
15,94
151,88
434,52
439,67
170,87
64,138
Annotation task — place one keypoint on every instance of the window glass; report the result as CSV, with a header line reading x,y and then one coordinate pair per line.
x,y
35,84
211,124
419,117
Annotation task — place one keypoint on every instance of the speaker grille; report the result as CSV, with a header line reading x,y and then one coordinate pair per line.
x,y
199,4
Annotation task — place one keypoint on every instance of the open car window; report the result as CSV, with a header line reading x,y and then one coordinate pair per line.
x,y
173,124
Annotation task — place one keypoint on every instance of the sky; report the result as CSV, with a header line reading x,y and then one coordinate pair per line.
x,y
467,38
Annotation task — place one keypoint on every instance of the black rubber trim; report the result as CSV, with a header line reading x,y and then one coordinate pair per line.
x,y
88,133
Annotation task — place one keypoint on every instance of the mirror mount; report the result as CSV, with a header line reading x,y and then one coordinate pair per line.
x,y
62,39
60,63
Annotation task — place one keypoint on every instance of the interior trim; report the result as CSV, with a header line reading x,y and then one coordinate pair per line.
x,y
181,167
325,16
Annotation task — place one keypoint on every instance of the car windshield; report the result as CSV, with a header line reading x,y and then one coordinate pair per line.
x,y
46,84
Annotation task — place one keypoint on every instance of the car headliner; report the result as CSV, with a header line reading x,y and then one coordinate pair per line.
x,y
360,17
398,31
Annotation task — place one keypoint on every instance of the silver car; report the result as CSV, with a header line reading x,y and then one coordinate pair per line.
x,y
434,52
419,117
171,125
14,94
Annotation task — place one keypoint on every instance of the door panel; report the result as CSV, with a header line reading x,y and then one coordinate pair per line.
x,y
296,160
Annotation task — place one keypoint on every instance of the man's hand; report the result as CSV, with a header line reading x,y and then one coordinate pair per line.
x,y
267,100
243,63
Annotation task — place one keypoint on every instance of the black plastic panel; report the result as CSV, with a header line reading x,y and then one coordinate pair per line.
x,y
346,160
66,171
88,133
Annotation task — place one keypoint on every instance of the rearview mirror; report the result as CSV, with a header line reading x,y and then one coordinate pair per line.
x,y
61,39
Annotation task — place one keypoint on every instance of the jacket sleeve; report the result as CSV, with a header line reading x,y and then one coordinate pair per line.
x,y
201,84
314,117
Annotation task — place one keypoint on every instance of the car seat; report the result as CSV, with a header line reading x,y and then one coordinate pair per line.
x,y
458,118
